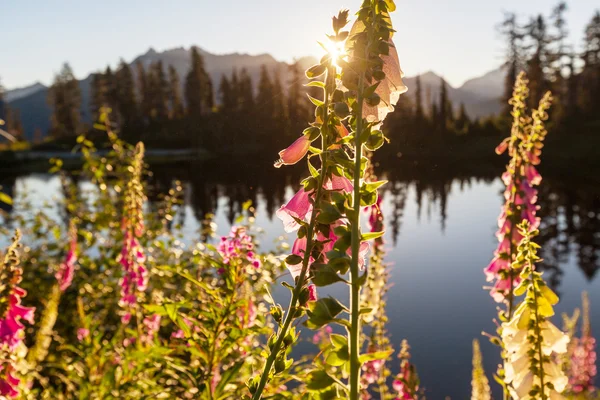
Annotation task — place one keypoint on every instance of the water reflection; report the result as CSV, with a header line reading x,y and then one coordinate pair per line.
x,y
570,209
441,223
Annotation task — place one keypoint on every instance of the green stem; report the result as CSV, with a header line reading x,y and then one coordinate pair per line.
x,y
354,270
309,243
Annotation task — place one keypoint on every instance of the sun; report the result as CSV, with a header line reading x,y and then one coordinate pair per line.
x,y
336,50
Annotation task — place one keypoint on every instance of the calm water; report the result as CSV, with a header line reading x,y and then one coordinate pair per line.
x,y
440,235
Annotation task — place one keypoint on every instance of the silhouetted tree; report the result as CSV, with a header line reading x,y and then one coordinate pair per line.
x,y
175,100
64,97
158,91
144,92
539,61
198,88
514,58
126,102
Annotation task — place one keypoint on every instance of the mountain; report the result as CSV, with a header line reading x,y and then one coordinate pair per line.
x,y
35,111
479,95
14,94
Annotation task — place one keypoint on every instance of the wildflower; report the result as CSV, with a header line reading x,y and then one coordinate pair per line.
x,y
65,273
530,340
312,292
82,333
238,245
322,334
479,384
300,205
295,152
151,325
389,89
583,369
520,179
406,383
135,274
12,331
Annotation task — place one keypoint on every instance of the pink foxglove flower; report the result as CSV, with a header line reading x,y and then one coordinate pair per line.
x,y
65,273
294,153
151,326
238,245
322,334
300,206
12,313
82,333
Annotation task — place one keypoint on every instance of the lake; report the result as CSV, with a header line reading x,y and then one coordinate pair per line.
x,y
440,235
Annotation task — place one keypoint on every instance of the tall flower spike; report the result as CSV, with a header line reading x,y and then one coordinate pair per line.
x,y
531,341
524,147
480,386
582,366
66,271
12,331
132,258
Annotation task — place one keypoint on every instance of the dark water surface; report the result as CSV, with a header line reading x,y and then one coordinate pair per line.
x,y
440,236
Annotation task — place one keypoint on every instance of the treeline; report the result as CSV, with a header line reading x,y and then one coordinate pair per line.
x,y
11,118
152,103
538,47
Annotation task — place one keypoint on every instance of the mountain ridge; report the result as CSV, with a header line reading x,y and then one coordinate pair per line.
x,y
479,94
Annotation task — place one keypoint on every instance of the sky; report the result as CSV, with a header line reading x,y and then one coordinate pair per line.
x,y
457,39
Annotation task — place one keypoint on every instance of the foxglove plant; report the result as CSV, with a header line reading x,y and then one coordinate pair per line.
x,y
12,312
480,386
531,341
132,257
359,89
406,384
521,176
582,366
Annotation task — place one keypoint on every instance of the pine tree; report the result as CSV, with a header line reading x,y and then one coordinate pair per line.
x,y
2,103
265,95
444,109
514,58
246,92
279,112
589,96
227,99
158,89
175,100
462,122
111,89
98,95
539,61
296,104
126,102
235,90
144,93
13,123
419,114
198,87
64,97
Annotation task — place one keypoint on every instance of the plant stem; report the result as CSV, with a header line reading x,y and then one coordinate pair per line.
x,y
354,271
305,260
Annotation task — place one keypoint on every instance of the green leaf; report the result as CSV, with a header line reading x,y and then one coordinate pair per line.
x,y
371,235
378,355
315,70
293,259
373,186
319,380
338,341
4,198
328,214
316,84
316,102
324,275
323,311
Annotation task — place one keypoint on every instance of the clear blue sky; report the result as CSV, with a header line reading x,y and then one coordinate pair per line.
x,y
455,38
